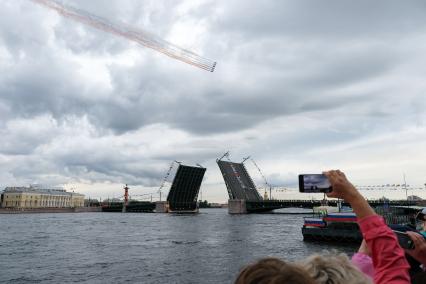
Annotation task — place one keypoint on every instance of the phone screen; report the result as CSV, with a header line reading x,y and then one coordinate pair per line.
x,y
311,183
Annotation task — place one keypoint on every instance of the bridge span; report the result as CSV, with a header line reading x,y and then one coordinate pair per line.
x,y
269,205
182,197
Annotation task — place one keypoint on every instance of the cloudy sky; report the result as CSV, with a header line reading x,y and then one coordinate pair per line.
x,y
301,86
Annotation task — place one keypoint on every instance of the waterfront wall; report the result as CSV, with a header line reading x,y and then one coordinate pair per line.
x,y
49,210
87,209
237,206
161,207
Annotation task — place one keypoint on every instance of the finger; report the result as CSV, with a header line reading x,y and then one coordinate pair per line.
x,y
340,173
326,173
331,175
417,238
418,241
337,174
331,195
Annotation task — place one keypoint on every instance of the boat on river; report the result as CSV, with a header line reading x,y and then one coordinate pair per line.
x,y
337,224
333,226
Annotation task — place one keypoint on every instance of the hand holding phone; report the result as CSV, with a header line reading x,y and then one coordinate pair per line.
x,y
344,189
404,240
419,251
314,183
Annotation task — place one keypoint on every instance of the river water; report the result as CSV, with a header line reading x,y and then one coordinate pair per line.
x,y
209,247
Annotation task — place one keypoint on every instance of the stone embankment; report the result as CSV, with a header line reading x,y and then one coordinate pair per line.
x,y
49,210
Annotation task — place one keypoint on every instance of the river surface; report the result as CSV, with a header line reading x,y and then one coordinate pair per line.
x,y
210,247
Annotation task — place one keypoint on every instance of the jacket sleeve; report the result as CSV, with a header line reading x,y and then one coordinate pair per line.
x,y
390,264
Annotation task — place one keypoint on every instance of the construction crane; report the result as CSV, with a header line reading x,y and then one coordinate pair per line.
x,y
167,176
223,156
267,185
140,36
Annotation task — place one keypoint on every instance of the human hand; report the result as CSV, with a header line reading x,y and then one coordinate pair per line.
x,y
342,188
364,248
419,251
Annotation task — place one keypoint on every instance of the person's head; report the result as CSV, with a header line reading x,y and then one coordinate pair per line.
x,y
333,269
421,216
273,271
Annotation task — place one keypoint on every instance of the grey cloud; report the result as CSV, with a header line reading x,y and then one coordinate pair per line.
x,y
329,19
94,163
138,98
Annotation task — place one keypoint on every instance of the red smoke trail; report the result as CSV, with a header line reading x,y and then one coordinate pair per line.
x,y
142,37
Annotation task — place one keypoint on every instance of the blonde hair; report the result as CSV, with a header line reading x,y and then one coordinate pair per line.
x,y
333,269
273,271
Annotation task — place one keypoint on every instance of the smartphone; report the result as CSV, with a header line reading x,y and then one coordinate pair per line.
x,y
404,240
311,183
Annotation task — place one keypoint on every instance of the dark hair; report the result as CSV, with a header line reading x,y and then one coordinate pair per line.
x,y
421,216
273,271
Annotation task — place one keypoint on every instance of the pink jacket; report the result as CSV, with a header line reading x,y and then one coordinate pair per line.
x,y
389,262
364,263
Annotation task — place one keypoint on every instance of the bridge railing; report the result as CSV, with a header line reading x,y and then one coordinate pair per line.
x,y
277,203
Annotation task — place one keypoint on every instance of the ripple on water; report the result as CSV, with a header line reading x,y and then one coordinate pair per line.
x,y
144,248
185,242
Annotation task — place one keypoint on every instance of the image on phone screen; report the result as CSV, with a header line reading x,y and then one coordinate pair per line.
x,y
311,183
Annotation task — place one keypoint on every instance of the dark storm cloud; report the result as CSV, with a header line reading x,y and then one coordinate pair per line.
x,y
44,83
318,19
230,106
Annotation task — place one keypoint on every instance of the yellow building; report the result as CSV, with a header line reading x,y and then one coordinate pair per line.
x,y
35,197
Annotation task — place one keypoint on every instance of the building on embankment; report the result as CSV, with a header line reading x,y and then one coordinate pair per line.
x,y
34,197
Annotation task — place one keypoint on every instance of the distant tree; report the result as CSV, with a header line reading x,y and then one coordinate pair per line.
x,y
204,204
91,203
